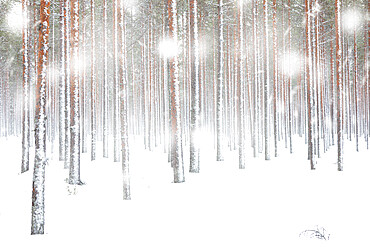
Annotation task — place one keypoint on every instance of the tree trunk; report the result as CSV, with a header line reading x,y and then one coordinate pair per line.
x,y
176,138
123,105
219,98
26,91
74,167
267,83
339,82
195,106
38,184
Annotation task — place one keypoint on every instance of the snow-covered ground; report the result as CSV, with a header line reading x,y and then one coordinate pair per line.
x,y
268,204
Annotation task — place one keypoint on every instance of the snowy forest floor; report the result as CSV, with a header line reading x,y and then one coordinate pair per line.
x,y
268,204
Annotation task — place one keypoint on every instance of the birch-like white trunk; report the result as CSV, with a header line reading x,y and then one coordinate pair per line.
x,y
176,138
195,106
74,167
220,83
26,90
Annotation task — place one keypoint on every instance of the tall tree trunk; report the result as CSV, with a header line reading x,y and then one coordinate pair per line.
x,y
93,84
123,105
240,88
67,34
38,184
74,167
255,79
267,83
26,90
309,84
105,82
62,82
195,106
338,38
219,98
115,84
275,76
176,138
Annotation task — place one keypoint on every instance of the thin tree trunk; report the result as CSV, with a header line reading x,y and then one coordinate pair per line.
x,y
339,82
67,21
123,104
26,91
74,167
115,84
105,82
267,83
93,84
62,82
195,106
176,138
220,83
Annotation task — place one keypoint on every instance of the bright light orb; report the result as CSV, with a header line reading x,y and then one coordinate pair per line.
x,y
14,18
351,19
168,48
291,64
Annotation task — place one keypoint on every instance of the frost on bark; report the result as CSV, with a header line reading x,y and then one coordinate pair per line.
x,y
256,79
62,84
339,82
219,102
26,91
105,82
308,68
240,87
275,76
38,183
176,142
74,167
93,84
67,126
267,82
116,119
123,105
195,106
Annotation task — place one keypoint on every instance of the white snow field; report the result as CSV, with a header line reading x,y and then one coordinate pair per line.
x,y
268,204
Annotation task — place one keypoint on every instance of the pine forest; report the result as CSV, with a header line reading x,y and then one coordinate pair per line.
x,y
214,94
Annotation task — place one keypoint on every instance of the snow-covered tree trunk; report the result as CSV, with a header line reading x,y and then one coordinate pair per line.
x,y
275,76
338,39
62,81
67,126
220,82
240,87
356,95
74,167
176,138
255,79
123,103
105,81
83,83
309,84
290,117
195,106
116,119
267,82
93,84
26,90
38,183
